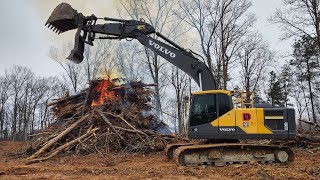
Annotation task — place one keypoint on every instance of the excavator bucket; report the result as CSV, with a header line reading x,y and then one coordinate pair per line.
x,y
63,18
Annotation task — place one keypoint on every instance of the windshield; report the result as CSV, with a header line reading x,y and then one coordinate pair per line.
x,y
203,109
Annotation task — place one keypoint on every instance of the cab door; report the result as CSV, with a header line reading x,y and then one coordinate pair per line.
x,y
227,117
203,111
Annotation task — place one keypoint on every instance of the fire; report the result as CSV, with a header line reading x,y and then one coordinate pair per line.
x,y
104,88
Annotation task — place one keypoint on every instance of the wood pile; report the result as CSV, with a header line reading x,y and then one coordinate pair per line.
x,y
308,137
105,118
304,139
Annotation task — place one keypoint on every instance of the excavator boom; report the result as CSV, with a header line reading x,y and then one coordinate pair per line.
x,y
65,18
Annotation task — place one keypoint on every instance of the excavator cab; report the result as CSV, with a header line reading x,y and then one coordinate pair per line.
x,y
206,107
212,116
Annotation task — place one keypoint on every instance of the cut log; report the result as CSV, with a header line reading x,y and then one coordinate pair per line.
x,y
63,147
66,99
315,139
68,109
311,123
57,138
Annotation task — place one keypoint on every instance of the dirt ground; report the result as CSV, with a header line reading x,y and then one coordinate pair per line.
x,y
151,166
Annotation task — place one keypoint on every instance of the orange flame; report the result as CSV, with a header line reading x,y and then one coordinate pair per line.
x,y
106,93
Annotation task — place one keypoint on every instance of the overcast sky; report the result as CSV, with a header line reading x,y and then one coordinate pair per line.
x,y
25,40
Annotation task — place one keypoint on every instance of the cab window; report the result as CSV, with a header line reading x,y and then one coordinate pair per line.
x,y
203,109
224,104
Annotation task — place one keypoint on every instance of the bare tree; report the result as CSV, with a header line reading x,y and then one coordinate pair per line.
x,y
39,91
301,102
4,96
98,60
159,14
204,17
220,25
234,25
21,95
254,58
298,18
129,62
73,71
54,88
19,76
180,82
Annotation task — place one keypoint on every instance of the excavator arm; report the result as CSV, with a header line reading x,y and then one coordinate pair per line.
x,y
65,18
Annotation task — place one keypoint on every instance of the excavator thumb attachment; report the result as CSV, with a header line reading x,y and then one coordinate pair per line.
x,y
64,18
76,54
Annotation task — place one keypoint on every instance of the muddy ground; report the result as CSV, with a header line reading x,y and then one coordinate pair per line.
x,y
151,166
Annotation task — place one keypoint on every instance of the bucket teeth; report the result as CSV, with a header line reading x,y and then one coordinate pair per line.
x,y
53,28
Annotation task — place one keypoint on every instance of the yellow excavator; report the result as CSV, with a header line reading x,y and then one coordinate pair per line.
x,y
212,115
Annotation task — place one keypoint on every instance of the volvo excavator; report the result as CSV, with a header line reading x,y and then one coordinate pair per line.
x,y
212,115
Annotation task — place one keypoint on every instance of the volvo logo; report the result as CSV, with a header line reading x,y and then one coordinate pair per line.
x,y
227,129
162,49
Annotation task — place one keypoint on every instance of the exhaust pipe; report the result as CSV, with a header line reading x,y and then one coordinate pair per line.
x,y
65,18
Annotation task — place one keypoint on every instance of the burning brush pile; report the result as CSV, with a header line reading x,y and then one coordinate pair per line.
x,y
105,118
